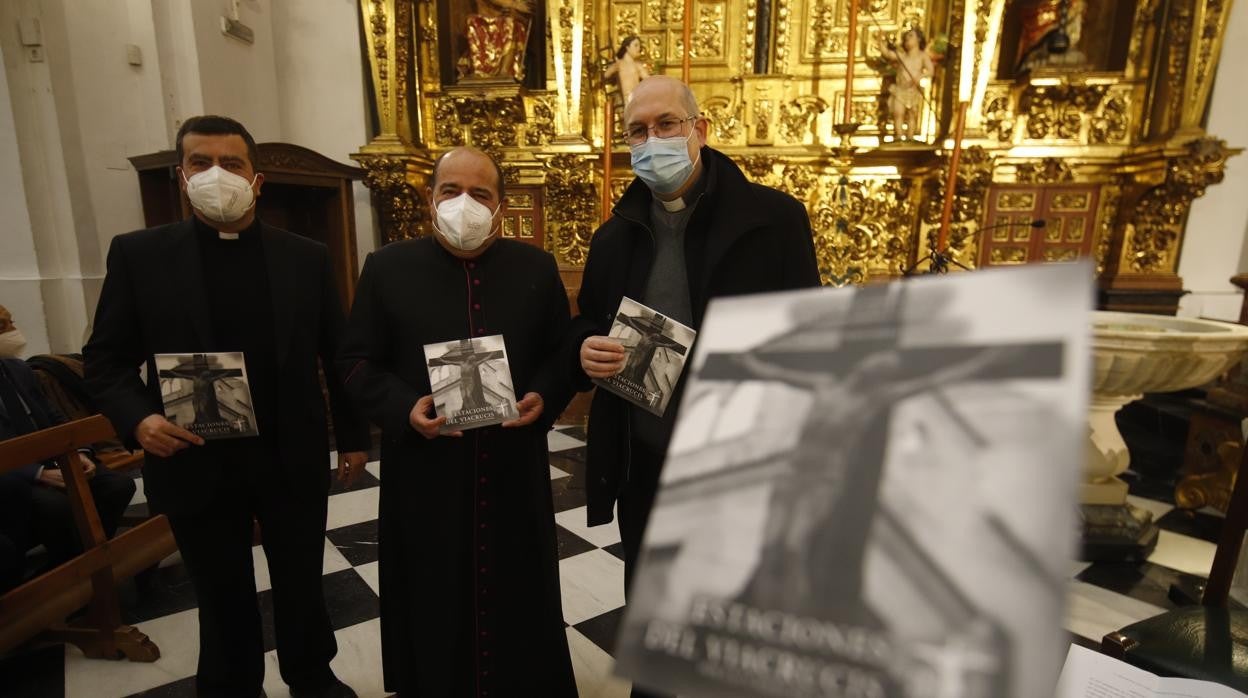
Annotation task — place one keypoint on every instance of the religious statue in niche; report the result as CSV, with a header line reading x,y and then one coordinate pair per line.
x,y
909,65
498,33
628,67
1051,34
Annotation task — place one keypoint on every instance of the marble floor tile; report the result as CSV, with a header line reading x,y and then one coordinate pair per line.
x,y
556,473
1183,553
1142,581
357,664
1197,524
601,536
570,544
356,543
1154,507
156,593
593,667
1077,566
591,584
140,496
184,688
374,467
352,508
176,635
558,441
602,630
1092,611
332,562
370,574
364,481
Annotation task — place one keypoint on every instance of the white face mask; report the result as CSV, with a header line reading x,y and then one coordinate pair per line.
x,y
220,195
464,222
11,343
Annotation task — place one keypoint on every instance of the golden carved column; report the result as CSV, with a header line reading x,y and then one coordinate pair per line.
x,y
1159,186
395,162
1140,270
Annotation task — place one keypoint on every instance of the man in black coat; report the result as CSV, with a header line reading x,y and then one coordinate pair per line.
x,y
690,228
223,281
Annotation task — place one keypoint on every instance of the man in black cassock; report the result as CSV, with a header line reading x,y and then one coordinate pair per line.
x,y
470,600
225,281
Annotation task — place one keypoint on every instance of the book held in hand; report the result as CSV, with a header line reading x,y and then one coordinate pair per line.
x,y
870,492
471,382
656,348
207,394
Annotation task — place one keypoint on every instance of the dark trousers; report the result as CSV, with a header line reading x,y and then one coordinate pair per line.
x,y
52,518
14,529
633,509
216,548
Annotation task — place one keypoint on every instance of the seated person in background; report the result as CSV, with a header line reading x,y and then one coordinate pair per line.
x,y
14,524
23,409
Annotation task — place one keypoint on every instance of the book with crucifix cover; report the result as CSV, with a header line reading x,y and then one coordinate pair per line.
x,y
870,492
207,394
655,350
471,382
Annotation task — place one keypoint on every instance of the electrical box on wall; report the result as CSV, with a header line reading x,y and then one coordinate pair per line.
x,y
238,30
29,31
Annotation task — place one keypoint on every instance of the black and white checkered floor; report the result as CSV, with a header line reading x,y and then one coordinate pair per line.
x,y
1103,597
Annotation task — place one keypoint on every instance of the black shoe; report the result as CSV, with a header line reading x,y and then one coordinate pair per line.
x,y
336,689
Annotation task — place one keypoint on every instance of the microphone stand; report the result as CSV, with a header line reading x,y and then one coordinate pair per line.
x,y
942,258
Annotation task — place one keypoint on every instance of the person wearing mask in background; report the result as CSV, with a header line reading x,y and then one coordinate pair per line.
x,y
223,281
48,518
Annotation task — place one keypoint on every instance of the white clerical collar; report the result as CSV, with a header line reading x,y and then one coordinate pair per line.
x,y
677,204
227,236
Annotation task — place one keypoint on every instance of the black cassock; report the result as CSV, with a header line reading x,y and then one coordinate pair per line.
x,y
469,570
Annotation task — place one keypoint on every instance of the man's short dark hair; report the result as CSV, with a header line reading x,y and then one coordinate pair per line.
x,y
211,125
433,178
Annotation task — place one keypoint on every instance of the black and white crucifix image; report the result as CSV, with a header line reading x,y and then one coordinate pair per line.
x,y
656,348
207,393
841,457
471,382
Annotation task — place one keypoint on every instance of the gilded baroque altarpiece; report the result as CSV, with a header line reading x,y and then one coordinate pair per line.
x,y
1099,135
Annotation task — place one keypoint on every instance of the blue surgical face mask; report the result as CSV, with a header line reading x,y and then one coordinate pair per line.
x,y
663,163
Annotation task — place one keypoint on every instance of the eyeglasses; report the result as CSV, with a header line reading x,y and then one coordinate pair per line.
x,y
667,128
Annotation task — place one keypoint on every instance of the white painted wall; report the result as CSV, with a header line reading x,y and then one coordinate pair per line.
x,y
321,89
68,124
239,80
1215,247
19,265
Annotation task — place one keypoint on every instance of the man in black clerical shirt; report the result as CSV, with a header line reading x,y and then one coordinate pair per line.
x,y
223,281
469,566
690,228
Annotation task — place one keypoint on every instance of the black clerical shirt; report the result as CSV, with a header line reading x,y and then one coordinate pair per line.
x,y
240,303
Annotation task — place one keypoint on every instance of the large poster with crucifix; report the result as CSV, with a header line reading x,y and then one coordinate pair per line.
x,y
471,382
655,350
870,492
207,394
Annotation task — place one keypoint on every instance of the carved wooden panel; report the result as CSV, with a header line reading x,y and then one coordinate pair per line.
x,y
1068,210
522,218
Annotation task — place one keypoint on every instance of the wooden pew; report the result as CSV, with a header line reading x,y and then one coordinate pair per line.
x,y
39,607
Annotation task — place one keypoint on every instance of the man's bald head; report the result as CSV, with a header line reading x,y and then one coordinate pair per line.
x,y
664,90
468,156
